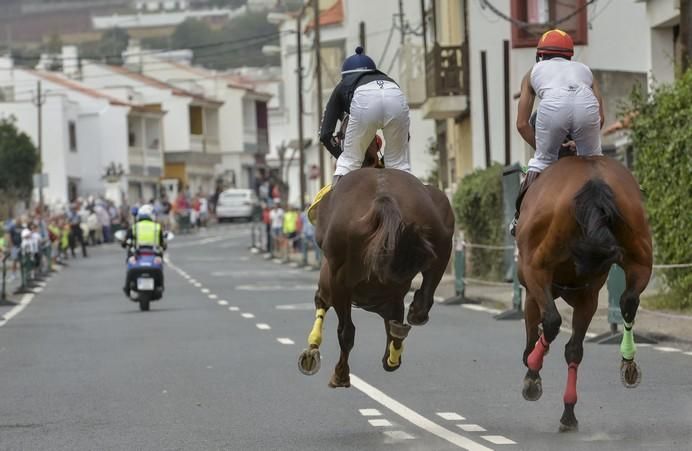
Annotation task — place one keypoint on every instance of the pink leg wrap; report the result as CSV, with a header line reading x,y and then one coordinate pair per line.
x,y
571,388
535,359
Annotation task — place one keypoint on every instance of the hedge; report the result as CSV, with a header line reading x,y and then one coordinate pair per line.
x,y
661,133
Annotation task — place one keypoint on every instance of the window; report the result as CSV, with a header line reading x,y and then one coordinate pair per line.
x,y
536,13
72,131
196,120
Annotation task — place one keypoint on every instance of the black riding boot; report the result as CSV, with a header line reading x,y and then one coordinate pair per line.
x,y
531,176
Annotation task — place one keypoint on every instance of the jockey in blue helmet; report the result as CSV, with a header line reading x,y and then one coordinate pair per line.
x,y
373,101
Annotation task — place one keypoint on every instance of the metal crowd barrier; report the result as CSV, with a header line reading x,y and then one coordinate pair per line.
x,y
282,249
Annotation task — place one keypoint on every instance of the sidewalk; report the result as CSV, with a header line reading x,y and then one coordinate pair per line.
x,y
658,325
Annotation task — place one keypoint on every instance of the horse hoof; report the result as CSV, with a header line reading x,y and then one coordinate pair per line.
x,y
309,361
569,427
630,374
335,382
533,388
415,321
387,367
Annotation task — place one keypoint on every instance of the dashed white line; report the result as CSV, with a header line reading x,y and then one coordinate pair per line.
x,y
398,435
285,341
380,422
369,412
247,315
667,349
498,440
450,416
481,308
263,326
197,285
192,281
414,417
233,308
687,353
222,302
213,296
471,428
205,290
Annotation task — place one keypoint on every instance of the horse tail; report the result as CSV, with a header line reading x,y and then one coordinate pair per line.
x,y
394,249
597,215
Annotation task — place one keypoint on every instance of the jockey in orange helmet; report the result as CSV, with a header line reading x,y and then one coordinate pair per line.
x,y
570,104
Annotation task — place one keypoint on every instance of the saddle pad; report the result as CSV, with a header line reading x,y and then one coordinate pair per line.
x,y
312,211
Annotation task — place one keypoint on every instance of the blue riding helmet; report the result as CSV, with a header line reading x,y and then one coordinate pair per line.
x,y
358,63
133,211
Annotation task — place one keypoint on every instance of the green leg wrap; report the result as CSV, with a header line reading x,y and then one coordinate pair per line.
x,y
627,346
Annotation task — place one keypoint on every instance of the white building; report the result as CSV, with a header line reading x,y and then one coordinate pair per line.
x,y
492,47
243,116
190,134
84,132
340,29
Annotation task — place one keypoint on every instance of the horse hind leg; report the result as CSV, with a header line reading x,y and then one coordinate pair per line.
x,y
637,277
584,309
424,297
538,292
346,331
396,333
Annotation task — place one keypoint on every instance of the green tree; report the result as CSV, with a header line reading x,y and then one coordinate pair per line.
x,y
113,43
18,161
662,139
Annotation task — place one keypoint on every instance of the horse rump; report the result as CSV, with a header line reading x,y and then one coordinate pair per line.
x,y
395,251
597,215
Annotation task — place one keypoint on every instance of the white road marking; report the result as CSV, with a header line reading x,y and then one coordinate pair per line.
x,y
687,353
303,306
264,287
245,274
263,326
17,309
213,296
481,308
471,428
222,302
197,285
644,345
285,341
247,315
379,422
590,335
498,440
369,412
193,281
37,289
233,309
450,416
414,417
205,290
666,349
398,435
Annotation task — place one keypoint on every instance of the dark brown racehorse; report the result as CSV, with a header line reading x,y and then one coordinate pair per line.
x,y
378,228
582,215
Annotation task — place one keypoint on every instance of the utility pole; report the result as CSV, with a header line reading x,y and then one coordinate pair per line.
x,y
685,35
299,76
38,101
318,75
401,21
361,34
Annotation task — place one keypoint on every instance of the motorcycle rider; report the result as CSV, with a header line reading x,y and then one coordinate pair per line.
x,y
144,233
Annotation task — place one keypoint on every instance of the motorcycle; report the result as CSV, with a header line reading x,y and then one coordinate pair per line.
x,y
144,272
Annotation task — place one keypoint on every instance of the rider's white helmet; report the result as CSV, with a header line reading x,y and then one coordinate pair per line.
x,y
146,211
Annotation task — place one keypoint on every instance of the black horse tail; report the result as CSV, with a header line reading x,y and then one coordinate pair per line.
x,y
395,250
597,216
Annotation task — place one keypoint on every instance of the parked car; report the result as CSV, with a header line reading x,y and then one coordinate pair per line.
x,y
237,203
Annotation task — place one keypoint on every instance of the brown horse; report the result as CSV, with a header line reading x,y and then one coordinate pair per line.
x,y
378,228
582,215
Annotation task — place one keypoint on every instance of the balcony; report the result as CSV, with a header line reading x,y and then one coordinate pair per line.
x,y
446,78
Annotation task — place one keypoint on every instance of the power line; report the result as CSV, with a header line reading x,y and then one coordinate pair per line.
x,y
527,25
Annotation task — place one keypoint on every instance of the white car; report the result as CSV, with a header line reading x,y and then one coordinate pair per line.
x,y
237,203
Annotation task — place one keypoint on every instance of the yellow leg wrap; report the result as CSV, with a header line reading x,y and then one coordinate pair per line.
x,y
394,354
315,337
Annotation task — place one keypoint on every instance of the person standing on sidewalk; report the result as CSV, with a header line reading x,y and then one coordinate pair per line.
x,y
76,234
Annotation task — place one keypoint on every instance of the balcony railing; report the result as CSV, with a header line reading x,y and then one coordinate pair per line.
x,y
445,71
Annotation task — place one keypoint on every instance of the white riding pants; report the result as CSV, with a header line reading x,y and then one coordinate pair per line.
x,y
376,105
561,112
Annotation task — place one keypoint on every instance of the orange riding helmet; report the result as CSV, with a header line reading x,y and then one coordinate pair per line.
x,y
555,42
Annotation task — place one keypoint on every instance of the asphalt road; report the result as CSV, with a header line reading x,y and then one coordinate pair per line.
x,y
214,366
